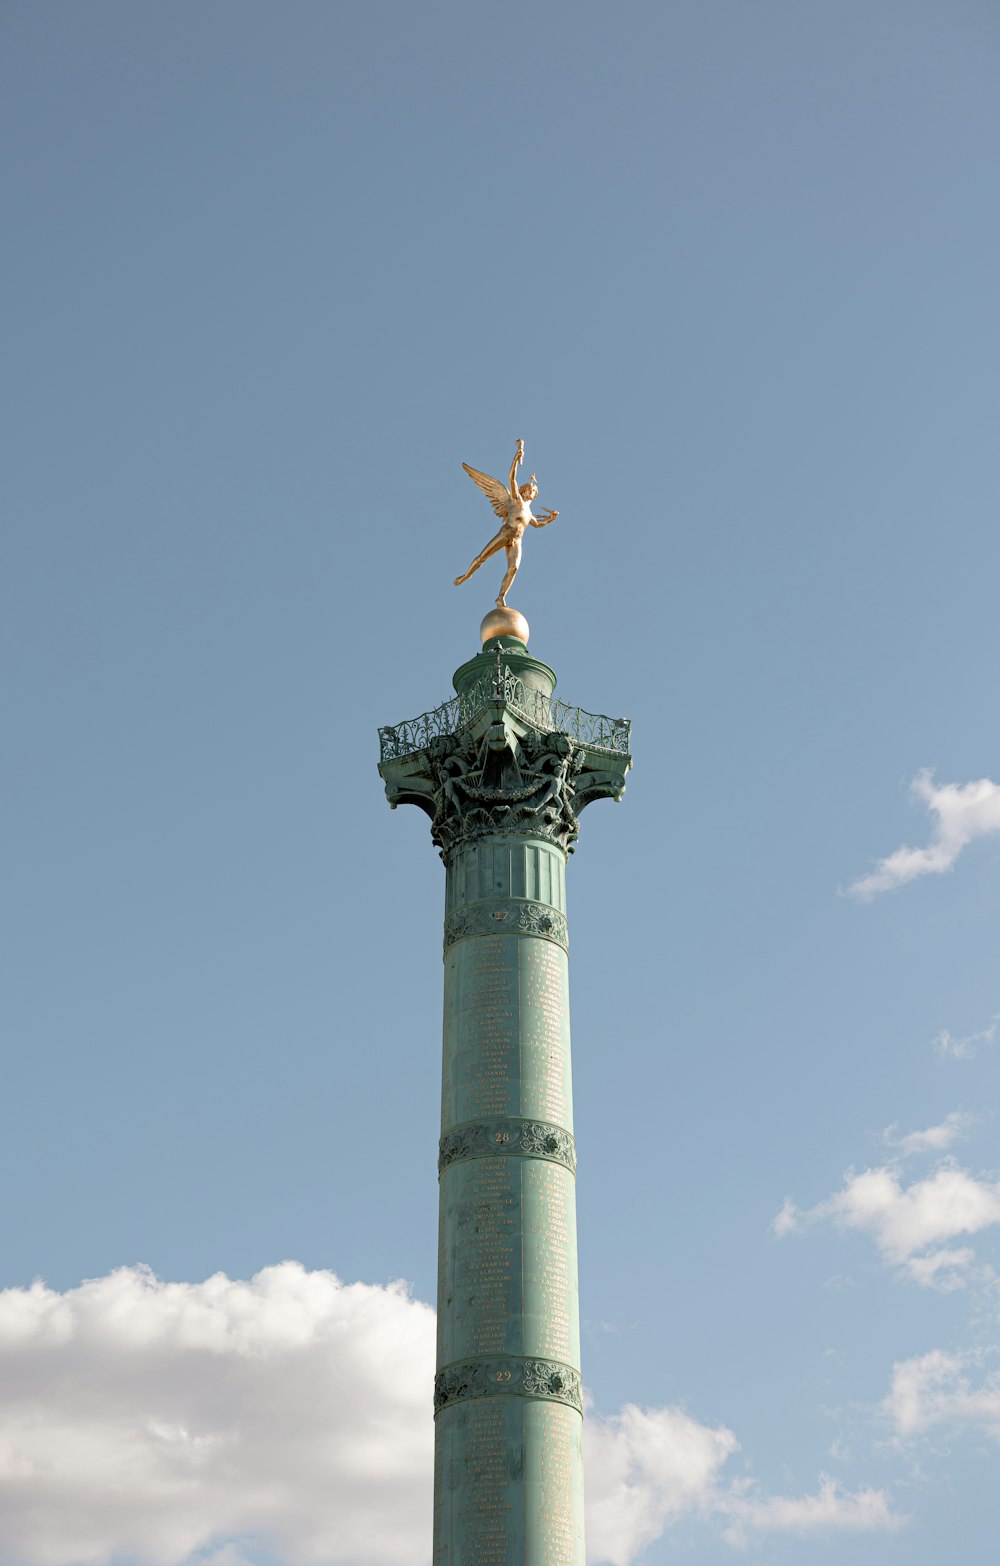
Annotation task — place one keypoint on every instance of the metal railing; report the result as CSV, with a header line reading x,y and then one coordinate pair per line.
x,y
502,687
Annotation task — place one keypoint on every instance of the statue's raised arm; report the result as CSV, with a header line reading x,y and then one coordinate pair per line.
x,y
518,459
513,506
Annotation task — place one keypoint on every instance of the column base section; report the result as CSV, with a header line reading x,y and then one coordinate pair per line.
x,y
508,1484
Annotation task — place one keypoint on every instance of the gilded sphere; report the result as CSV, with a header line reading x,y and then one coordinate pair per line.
x,y
503,622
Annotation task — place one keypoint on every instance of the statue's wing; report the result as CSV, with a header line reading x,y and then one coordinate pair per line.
x,y
496,493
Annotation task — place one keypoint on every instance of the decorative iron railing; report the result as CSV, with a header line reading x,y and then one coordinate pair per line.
x,y
592,728
501,687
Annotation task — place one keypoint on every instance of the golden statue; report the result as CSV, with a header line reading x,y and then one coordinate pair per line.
x,y
513,503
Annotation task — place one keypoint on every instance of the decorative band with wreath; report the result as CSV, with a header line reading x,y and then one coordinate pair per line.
x,y
509,1376
511,916
520,1138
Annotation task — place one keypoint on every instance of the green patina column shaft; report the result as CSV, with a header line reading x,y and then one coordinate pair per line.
x,y
503,771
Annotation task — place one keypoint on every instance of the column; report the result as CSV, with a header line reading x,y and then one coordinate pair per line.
x,y
503,771
509,1467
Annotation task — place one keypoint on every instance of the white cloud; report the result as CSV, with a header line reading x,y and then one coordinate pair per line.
x,y
964,812
151,1420
198,1424
945,1269
934,1140
647,1467
830,1510
644,1468
933,1389
788,1220
968,1047
908,1224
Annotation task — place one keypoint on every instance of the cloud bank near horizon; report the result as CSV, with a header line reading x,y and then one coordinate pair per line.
x,y
149,1421
164,1423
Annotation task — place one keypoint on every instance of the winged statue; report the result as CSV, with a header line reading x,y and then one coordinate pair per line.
x,y
512,504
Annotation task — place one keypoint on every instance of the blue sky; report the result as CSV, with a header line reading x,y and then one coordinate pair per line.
x,y
272,274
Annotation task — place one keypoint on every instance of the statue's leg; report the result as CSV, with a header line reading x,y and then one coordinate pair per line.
x,y
513,561
495,543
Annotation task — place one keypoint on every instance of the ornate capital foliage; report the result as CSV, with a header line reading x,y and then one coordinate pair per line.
x,y
504,758
508,1376
508,916
517,1138
503,782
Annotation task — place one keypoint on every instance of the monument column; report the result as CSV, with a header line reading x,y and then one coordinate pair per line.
x,y
503,770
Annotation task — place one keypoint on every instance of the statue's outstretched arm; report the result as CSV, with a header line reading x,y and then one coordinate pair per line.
x,y
544,521
518,459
